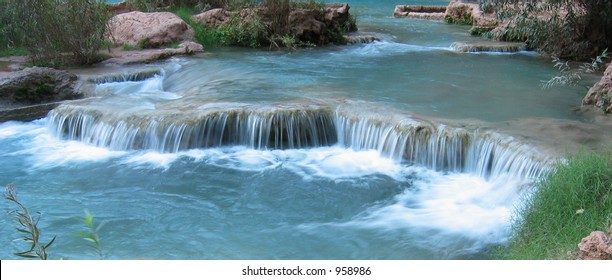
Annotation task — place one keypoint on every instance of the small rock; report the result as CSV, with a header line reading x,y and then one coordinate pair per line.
x,y
596,246
191,47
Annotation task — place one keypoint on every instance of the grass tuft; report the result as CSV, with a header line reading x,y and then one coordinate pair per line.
x,y
202,34
571,202
14,52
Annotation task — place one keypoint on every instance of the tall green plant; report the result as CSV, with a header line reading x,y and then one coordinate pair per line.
x,y
278,12
28,226
90,232
84,23
53,28
570,77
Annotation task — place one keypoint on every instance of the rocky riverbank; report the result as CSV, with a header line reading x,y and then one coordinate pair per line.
x,y
139,37
30,93
600,94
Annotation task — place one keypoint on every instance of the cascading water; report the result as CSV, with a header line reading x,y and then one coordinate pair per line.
x,y
396,149
437,147
443,148
277,129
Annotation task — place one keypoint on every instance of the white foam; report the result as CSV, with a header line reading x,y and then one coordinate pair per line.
x,y
153,87
45,151
16,129
243,159
150,160
338,163
381,48
453,203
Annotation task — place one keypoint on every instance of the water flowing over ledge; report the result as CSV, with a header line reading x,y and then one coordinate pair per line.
x,y
295,126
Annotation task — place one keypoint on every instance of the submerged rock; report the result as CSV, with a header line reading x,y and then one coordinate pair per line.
x,y
150,29
131,76
360,39
596,246
418,11
151,55
488,47
600,95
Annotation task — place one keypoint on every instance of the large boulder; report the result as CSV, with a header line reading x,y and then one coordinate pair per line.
x,y
151,29
306,24
310,25
37,85
596,246
600,95
337,17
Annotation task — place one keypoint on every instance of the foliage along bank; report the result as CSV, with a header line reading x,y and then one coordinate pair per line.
x,y
569,203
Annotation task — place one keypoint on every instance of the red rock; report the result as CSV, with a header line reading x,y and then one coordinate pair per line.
x,y
213,18
600,94
596,246
155,29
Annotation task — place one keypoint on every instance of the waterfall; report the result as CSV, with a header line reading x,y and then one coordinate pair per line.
x,y
276,129
133,76
440,147
402,138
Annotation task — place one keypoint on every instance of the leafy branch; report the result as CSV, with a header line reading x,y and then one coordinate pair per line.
x,y
571,77
90,232
29,227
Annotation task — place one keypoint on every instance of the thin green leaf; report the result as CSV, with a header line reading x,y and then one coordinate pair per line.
x,y
50,243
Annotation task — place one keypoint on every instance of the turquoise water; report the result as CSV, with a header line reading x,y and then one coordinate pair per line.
x,y
399,170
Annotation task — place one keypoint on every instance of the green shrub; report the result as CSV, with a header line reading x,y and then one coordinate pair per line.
x,y
13,51
466,19
84,23
277,11
51,29
264,26
571,202
202,34
154,5
570,29
249,31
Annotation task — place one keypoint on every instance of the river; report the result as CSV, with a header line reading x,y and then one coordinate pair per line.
x,y
398,149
